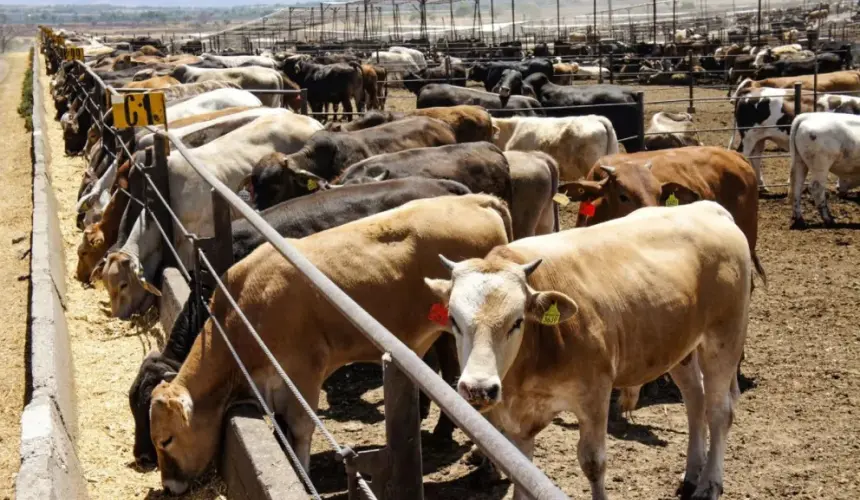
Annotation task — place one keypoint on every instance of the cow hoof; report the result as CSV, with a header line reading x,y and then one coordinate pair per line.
x,y
798,223
829,222
443,435
711,492
685,490
475,457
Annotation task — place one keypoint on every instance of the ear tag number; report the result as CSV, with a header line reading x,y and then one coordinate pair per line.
x,y
551,316
672,200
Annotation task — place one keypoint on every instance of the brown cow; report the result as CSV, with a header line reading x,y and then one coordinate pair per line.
x,y
552,323
100,236
469,123
379,261
562,73
156,82
371,85
838,81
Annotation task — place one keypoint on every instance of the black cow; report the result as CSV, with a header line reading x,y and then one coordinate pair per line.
x,y
414,82
480,166
328,84
625,119
827,63
512,84
281,177
843,50
541,50
437,95
292,219
742,67
491,72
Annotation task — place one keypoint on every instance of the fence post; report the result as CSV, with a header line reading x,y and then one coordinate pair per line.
x,y
815,81
403,433
218,249
159,175
691,108
798,100
640,107
599,62
304,103
611,73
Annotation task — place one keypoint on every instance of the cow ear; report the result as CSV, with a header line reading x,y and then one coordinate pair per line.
x,y
169,376
582,190
247,184
441,288
550,308
682,195
98,270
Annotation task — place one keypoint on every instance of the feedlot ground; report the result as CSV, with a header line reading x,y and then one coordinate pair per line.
x,y
796,432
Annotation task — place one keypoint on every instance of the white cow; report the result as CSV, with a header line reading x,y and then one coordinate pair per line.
x,y
822,143
230,158
590,72
237,61
195,135
248,78
671,130
765,114
416,55
212,101
574,142
395,63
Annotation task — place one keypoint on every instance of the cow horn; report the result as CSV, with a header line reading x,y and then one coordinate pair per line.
x,y
648,165
608,169
530,267
449,264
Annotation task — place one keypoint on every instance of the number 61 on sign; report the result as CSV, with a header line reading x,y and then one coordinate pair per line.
x,y
138,110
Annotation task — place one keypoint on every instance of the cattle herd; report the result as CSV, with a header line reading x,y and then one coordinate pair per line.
x,y
454,207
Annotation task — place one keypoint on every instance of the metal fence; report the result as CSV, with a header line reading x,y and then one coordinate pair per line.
x,y
396,469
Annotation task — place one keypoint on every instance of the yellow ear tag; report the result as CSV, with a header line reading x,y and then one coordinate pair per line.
x,y
551,316
561,199
313,185
672,200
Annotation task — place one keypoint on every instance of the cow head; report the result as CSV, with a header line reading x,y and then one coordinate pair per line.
x,y
478,72
274,180
128,288
90,252
154,370
491,307
180,72
616,191
510,84
186,438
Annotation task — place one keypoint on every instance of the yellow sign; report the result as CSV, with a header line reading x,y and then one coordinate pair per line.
x,y
74,54
137,110
551,316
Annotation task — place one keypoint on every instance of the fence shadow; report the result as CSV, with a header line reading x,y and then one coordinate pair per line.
x,y
344,389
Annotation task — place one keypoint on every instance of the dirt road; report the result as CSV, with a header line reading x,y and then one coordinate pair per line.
x,y
16,210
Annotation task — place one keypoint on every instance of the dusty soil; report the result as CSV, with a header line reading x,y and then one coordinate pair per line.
x,y
796,428
796,431
16,207
107,353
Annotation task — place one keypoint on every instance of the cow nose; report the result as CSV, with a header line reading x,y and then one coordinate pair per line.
x,y
175,487
482,393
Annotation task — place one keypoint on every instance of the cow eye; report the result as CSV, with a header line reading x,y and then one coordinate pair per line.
x,y
123,286
518,323
624,198
166,442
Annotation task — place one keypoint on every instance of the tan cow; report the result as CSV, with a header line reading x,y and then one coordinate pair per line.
x,y
100,236
156,82
671,130
552,323
469,123
562,73
838,81
379,261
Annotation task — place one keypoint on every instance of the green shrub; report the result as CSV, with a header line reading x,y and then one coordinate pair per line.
x,y
25,109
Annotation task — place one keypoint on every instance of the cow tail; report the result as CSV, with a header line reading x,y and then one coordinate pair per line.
x,y
553,171
358,86
611,137
504,212
759,269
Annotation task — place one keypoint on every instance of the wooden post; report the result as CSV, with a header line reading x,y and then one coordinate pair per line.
x,y
611,73
159,175
640,107
798,99
691,108
218,249
403,434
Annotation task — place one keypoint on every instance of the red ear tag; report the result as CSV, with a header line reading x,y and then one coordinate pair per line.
x,y
586,209
438,314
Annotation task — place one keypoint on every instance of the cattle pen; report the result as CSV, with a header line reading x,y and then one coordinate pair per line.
x,y
799,315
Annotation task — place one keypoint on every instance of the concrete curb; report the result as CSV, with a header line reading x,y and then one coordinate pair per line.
x,y
49,424
252,462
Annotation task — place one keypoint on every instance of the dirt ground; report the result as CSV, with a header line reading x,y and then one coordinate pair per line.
x,y
796,431
16,205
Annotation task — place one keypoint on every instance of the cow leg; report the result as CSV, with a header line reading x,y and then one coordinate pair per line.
x,y
446,354
798,177
751,149
347,109
593,415
818,190
300,425
689,380
718,357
